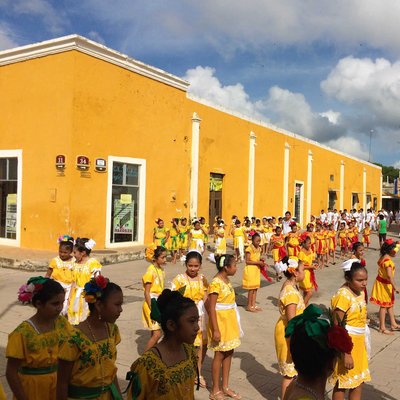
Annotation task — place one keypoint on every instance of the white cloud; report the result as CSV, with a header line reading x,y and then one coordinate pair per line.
x,y
397,164
96,37
349,145
372,86
332,116
54,19
228,26
204,84
7,39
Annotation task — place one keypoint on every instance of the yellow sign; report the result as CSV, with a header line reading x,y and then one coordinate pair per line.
x,y
126,198
12,198
215,184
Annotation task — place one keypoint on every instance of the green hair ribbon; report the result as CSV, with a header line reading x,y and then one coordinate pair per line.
x,y
38,280
314,325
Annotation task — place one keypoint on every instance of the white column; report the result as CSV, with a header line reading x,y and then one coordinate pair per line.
x,y
252,165
341,205
379,203
364,193
194,170
285,201
309,186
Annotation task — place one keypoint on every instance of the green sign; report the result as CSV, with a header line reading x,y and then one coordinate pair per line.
x,y
123,217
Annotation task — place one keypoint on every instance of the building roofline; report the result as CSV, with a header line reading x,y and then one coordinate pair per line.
x,y
282,131
94,49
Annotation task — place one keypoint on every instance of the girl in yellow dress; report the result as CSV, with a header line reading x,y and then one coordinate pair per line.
x,y
342,239
196,237
195,287
85,268
320,245
87,367
60,268
292,241
183,236
238,241
224,330
173,243
153,285
351,369
384,287
331,233
307,257
251,274
220,241
168,370
290,304
160,234
205,227
268,232
33,347
277,244
366,235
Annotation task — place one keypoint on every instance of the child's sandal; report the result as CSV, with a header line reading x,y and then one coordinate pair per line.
x,y
217,396
232,394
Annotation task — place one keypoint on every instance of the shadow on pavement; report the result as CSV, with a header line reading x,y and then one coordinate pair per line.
x,y
143,336
256,373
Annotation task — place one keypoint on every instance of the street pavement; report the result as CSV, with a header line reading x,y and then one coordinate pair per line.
x,y
254,368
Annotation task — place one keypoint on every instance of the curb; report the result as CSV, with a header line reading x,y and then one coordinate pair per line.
x,y
42,265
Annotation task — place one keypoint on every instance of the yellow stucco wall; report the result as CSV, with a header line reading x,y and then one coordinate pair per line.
x,y
74,104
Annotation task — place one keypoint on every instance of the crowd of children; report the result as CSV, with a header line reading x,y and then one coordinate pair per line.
x,y
68,348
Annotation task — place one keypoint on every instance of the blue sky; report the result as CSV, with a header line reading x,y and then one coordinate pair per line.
x,y
326,70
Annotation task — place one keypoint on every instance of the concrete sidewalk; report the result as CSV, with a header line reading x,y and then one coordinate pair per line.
x,y
254,368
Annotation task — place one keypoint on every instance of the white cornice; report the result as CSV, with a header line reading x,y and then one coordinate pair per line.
x,y
276,129
79,43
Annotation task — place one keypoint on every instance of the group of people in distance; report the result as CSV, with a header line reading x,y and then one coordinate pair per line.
x,y
68,348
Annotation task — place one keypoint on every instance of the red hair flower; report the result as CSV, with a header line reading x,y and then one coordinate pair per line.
x,y
101,281
339,339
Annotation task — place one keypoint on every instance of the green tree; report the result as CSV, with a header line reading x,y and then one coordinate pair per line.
x,y
389,171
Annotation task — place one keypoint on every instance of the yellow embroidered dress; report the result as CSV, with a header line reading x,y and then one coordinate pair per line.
x,y
78,309
156,276
196,290
382,292
94,363
197,240
288,295
220,241
160,235
293,244
356,310
228,317
62,272
309,282
158,381
251,273
183,237
173,241
39,352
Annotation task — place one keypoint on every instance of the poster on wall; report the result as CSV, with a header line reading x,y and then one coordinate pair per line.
x,y
123,216
11,216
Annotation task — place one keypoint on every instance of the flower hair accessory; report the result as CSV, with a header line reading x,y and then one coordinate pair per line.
x,y
149,252
323,331
65,239
94,288
221,262
32,287
90,244
389,241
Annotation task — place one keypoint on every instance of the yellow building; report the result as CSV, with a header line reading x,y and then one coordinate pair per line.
x,y
96,144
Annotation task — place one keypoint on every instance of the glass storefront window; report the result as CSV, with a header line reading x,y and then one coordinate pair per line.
x,y
8,197
125,196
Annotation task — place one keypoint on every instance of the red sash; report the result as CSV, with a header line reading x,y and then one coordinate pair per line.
x,y
312,279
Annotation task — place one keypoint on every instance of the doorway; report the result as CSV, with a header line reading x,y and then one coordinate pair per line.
x,y
215,204
298,201
332,199
125,205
